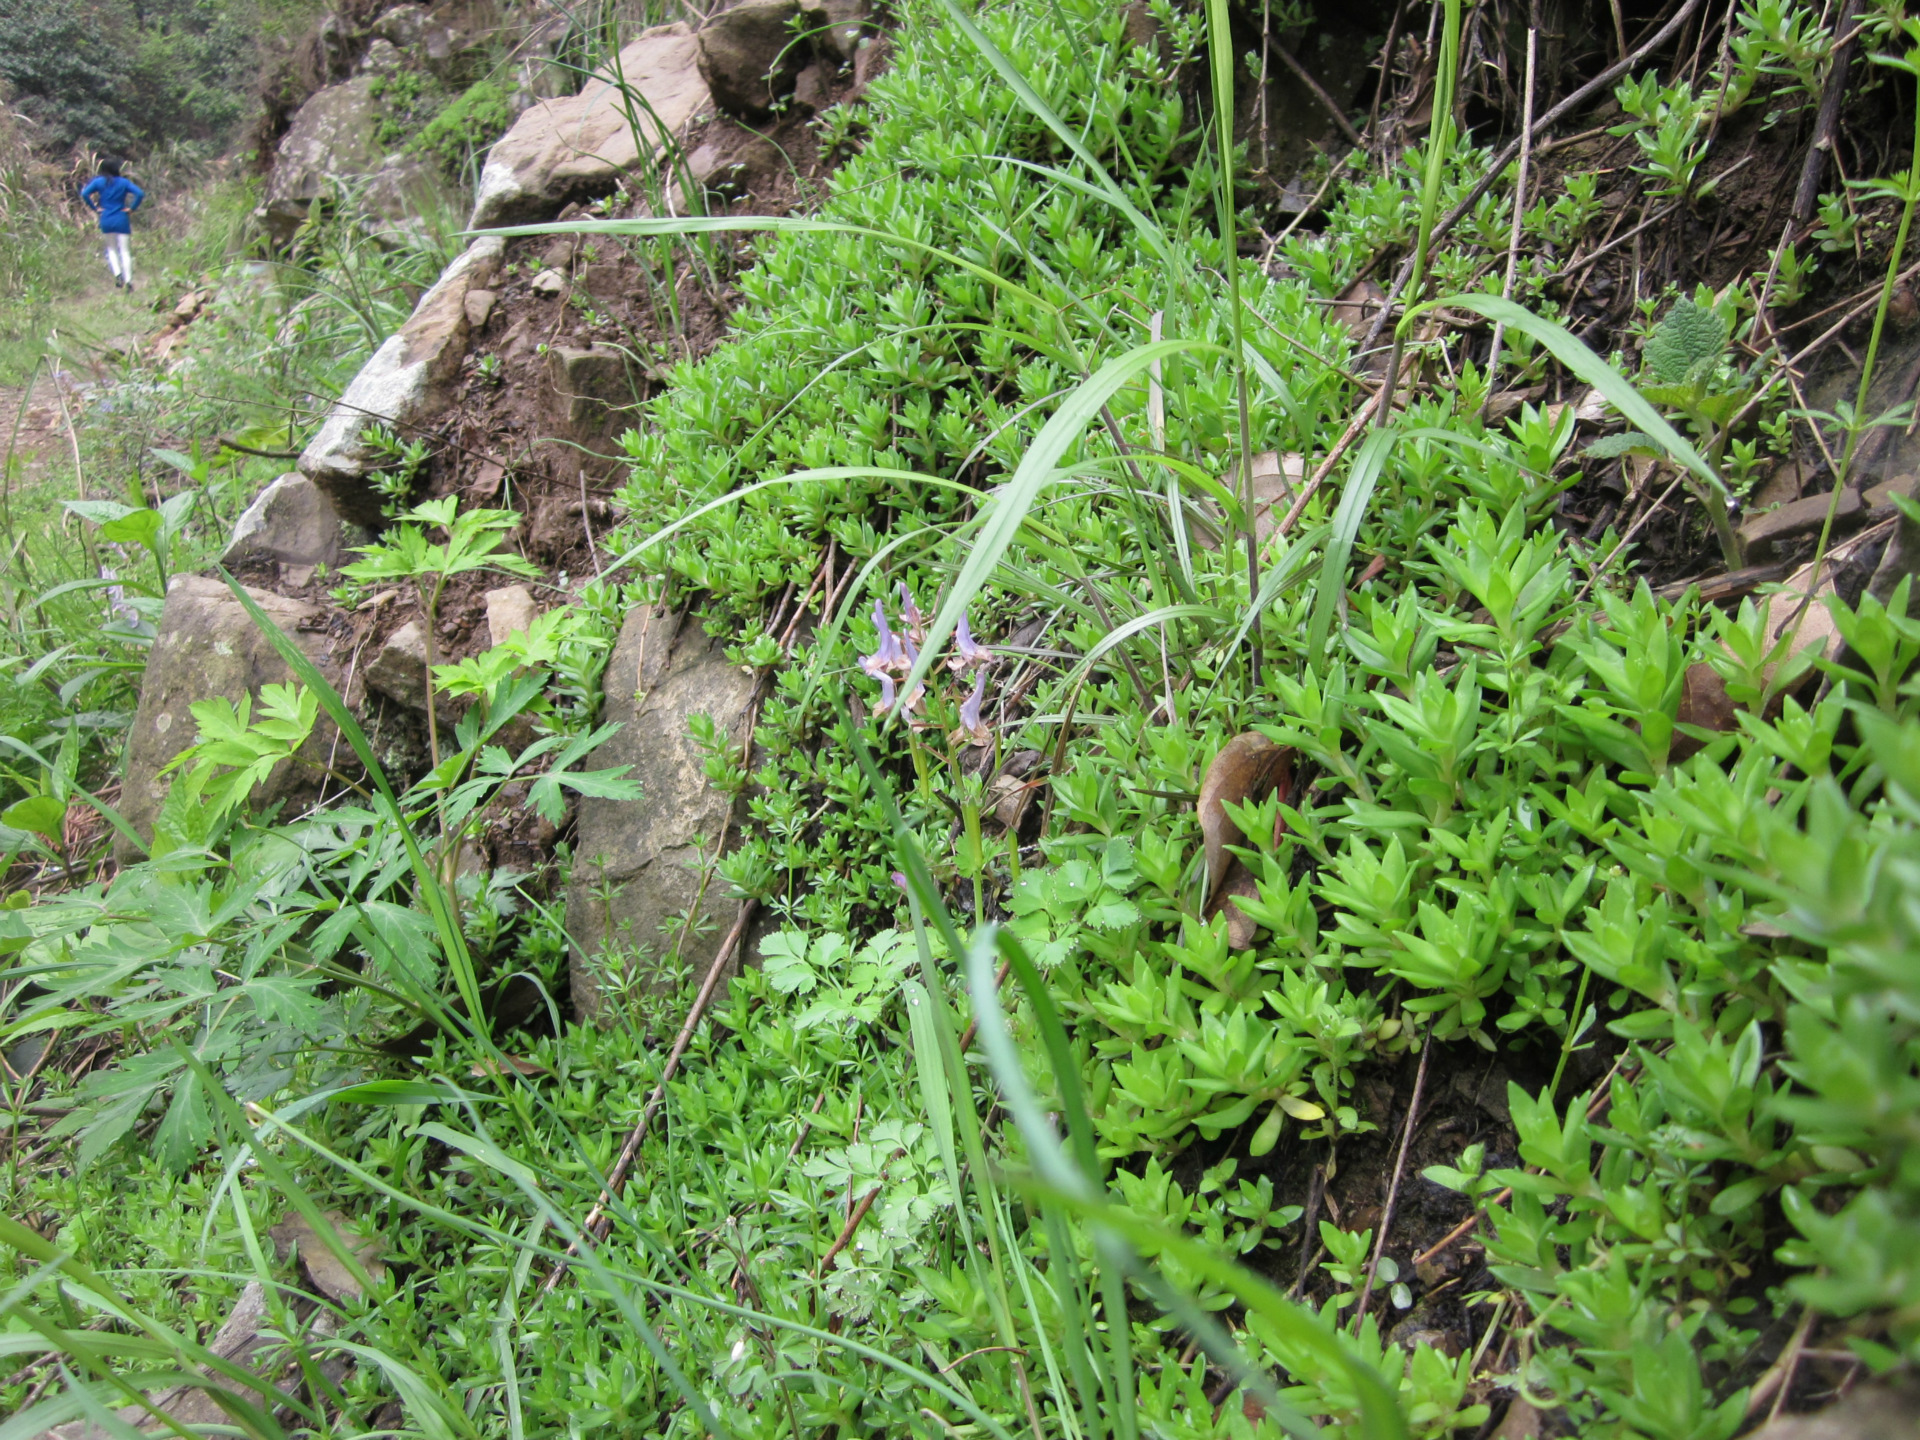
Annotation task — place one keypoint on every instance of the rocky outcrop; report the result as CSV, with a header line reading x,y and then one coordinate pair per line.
x,y
401,386
636,868
578,147
333,138
333,147
208,646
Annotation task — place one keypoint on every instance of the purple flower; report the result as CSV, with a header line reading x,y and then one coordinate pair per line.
x,y
916,622
900,879
889,658
118,610
887,695
967,654
970,722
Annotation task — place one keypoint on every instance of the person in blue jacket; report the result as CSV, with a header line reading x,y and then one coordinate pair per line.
x,y
113,197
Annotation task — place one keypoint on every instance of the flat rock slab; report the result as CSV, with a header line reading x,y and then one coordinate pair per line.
x,y
577,147
208,646
636,864
403,385
1793,520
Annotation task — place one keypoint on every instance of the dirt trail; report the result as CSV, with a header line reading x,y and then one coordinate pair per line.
x,y
90,331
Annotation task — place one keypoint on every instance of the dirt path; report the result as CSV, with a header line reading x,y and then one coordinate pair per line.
x,y
88,333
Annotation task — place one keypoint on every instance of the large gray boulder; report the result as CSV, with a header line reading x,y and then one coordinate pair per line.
x,y
636,865
333,138
208,646
579,146
403,385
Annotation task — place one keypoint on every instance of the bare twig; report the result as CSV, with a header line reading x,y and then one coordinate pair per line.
x,y
1355,428
1393,1190
1807,194
594,1227
1779,1376
854,1218
1519,215
1326,100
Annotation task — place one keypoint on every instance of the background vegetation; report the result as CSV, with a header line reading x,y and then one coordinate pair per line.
x,y
1015,1127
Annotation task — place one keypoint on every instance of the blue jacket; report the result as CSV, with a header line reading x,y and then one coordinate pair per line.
x,y
107,195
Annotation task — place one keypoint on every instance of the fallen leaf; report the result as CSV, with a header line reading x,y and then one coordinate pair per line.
x,y
1357,306
1522,1422
1247,767
481,1068
323,1267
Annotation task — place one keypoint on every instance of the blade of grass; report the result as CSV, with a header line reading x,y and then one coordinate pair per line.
x,y
1354,499
1221,62
1011,502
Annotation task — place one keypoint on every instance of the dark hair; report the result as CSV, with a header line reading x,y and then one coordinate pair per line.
x,y
110,167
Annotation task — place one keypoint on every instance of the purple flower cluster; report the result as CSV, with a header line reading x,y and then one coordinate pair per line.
x,y
899,651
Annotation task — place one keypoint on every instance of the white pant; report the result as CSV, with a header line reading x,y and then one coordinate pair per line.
x,y
119,257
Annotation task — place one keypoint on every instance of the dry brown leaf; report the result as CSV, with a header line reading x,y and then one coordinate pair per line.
x,y
1246,768
1522,1421
1793,609
481,1068
1239,884
1357,306
1703,702
323,1267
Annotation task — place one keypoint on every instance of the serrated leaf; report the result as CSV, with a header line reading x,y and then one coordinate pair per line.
x,y
1112,913
1690,336
784,963
187,1128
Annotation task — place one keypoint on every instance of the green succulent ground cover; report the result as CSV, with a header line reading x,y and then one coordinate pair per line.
x,y
1500,839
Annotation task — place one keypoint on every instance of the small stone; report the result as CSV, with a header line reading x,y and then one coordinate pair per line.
x,y
402,25
399,671
510,611
403,385
810,89
208,646
1523,1421
382,57
1789,522
637,872
1416,1331
605,282
1880,498
1784,484
479,305
293,523
590,390
564,149
835,26
548,283
748,58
